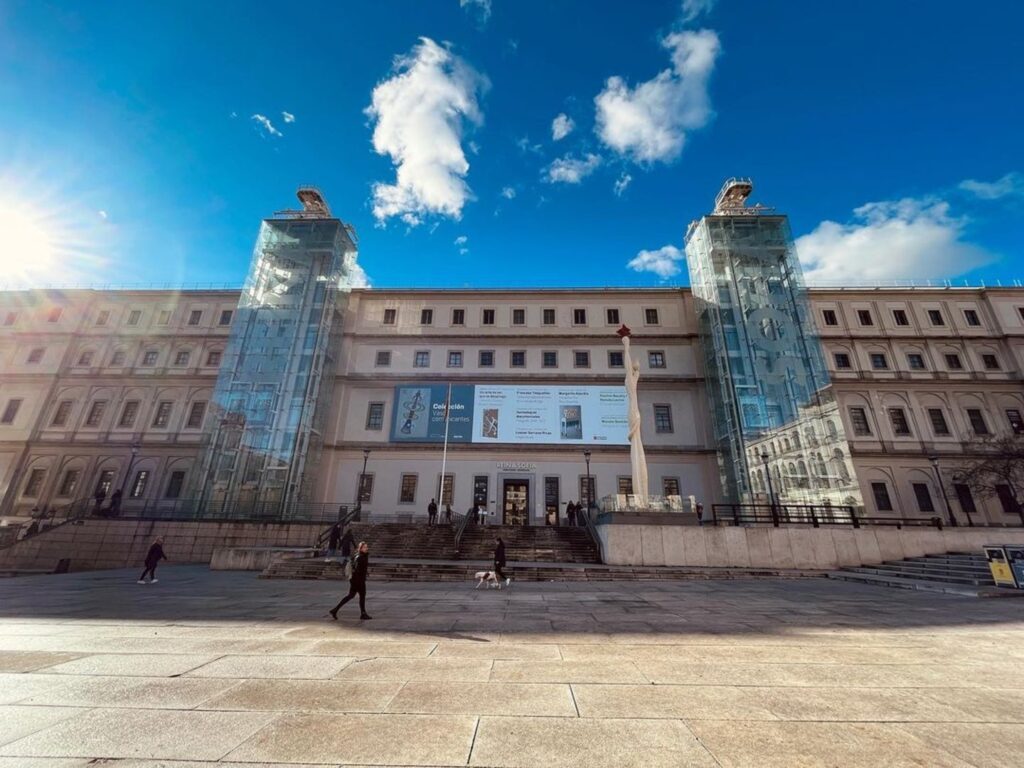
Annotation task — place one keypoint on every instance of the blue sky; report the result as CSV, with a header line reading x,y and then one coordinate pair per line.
x,y
888,131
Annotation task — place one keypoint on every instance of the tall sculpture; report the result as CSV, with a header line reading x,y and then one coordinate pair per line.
x,y
636,446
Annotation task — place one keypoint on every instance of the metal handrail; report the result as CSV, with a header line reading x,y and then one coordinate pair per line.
x,y
462,520
809,514
591,529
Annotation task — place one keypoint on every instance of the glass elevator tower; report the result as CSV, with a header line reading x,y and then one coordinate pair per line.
x,y
777,424
274,387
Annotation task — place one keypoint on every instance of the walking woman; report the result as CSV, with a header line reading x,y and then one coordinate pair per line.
x,y
499,561
154,556
357,584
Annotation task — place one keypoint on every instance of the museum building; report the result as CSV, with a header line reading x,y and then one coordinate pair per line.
x,y
298,390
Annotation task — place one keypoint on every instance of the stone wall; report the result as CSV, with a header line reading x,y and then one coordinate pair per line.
x,y
96,544
792,547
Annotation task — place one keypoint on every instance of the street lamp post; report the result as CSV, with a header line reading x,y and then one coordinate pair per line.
x,y
942,492
771,489
362,482
590,487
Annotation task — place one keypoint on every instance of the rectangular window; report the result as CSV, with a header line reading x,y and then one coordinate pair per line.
x,y
445,496
213,358
407,494
480,485
518,317
670,486
924,497
656,359
85,358
138,489
842,360
859,422
1020,311
458,317
615,359
971,316
164,317
104,482
60,416
69,484
588,491
163,414
651,316
953,362
54,316
1006,500
549,359
389,316
364,493
662,418
426,317
900,316
864,317
103,317
963,495
454,358
10,318
1016,422
579,316
517,358
879,362
128,413
421,359
829,316
991,362
181,357
96,413
935,317
149,358
195,316
625,485
977,420
548,316
196,414
134,316
551,498
118,357
11,411
487,317
611,316
486,358
375,416
581,359
34,484
225,316
915,361
176,481
383,358
36,355
900,425
881,493
938,419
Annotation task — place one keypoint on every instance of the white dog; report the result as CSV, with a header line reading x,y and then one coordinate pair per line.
x,y
487,577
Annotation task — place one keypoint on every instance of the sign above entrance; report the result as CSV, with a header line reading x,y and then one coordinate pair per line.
x,y
517,466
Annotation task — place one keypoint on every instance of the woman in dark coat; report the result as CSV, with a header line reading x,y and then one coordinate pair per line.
x,y
499,560
154,556
357,584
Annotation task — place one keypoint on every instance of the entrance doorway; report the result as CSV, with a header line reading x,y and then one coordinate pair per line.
x,y
515,502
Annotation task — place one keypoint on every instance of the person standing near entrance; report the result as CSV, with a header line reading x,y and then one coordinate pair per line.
x,y
431,512
333,539
448,513
153,557
357,584
570,512
499,560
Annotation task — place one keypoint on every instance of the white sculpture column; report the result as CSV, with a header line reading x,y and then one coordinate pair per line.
x,y
636,446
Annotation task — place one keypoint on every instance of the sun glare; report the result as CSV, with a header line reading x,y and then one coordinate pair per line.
x,y
25,241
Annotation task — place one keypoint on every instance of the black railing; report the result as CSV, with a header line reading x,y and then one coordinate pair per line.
x,y
815,515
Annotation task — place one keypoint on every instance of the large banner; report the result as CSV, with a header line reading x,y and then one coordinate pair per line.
x,y
511,414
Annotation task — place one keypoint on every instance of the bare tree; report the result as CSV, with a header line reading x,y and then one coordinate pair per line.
x,y
997,471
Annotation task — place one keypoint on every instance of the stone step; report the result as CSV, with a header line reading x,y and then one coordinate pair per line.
x,y
963,570
925,586
944,578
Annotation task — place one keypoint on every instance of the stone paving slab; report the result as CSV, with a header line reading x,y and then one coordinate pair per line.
x,y
142,664
18,721
285,667
530,699
306,696
131,692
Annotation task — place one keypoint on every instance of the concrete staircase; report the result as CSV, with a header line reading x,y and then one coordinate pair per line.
x,y
407,540
956,573
535,544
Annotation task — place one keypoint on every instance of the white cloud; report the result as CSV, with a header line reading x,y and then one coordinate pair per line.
x,y
621,183
266,125
525,146
462,242
914,239
357,277
663,262
234,114
693,8
1010,185
508,193
102,214
482,8
561,127
571,170
288,117
650,122
420,112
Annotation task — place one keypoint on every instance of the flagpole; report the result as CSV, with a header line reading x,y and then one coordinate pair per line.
x,y
444,455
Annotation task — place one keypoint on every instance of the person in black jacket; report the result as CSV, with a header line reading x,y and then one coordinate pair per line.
x,y
333,539
499,560
346,543
154,556
357,584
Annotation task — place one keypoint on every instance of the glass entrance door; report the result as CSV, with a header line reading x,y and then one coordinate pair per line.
x,y
514,502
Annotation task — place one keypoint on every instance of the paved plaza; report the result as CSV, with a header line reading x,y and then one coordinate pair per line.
x,y
209,668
